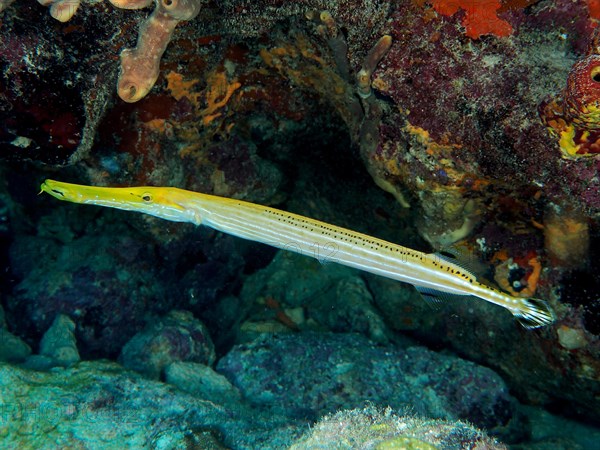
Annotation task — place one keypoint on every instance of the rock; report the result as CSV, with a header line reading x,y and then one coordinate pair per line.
x,y
201,381
176,337
332,296
59,343
101,405
102,281
308,374
12,348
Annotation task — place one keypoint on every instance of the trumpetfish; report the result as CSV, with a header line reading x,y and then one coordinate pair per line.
x,y
428,272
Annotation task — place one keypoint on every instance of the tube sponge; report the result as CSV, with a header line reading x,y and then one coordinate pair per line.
x,y
61,10
377,52
181,9
140,65
131,4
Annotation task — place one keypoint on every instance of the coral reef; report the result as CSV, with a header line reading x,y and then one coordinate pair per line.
x,y
311,105
50,104
109,297
140,65
457,153
107,308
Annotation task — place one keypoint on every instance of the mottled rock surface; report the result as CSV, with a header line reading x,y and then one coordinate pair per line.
x,y
101,405
346,371
176,337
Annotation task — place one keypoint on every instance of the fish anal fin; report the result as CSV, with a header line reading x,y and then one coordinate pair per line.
x,y
435,298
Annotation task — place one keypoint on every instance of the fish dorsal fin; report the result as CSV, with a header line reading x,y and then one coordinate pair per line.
x,y
460,256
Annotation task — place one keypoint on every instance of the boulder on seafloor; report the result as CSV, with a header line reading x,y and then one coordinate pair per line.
x,y
178,336
308,374
201,381
315,288
101,405
58,346
12,348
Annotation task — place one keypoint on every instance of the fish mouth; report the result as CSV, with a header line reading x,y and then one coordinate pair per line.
x,y
50,187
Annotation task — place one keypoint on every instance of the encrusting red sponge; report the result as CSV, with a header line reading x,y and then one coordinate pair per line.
x,y
480,16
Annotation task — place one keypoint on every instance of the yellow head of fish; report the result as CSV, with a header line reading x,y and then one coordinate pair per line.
x,y
164,202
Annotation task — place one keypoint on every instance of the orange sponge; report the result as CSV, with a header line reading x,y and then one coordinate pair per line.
x,y
594,9
480,16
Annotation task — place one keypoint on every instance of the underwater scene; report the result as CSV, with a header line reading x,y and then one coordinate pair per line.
x,y
300,224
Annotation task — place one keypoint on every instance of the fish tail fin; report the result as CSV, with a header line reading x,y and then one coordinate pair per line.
x,y
534,313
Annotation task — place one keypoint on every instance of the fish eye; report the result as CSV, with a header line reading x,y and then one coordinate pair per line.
x,y
147,197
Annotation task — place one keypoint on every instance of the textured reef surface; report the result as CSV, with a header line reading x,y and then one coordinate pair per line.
x,y
461,126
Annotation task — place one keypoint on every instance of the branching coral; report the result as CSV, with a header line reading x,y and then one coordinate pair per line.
x,y
140,65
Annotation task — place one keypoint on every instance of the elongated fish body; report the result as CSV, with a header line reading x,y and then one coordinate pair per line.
x,y
306,236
